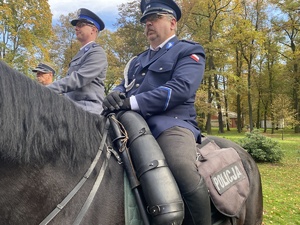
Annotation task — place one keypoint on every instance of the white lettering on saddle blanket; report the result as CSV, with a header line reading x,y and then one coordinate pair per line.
x,y
227,177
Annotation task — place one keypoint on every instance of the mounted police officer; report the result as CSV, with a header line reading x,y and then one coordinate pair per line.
x,y
84,82
161,85
44,73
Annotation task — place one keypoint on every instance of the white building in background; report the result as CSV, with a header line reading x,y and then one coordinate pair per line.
x,y
279,124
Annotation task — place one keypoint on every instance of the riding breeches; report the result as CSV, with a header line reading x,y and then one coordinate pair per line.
x,y
179,147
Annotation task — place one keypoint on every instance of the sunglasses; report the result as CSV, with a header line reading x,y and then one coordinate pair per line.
x,y
153,17
82,24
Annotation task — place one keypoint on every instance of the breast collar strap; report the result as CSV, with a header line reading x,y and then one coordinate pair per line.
x,y
91,196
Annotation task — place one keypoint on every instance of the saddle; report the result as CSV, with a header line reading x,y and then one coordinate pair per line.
x,y
225,177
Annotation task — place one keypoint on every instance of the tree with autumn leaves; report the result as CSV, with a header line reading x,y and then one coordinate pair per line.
x,y
252,53
25,32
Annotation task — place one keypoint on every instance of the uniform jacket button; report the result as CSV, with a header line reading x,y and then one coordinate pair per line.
x,y
137,85
143,74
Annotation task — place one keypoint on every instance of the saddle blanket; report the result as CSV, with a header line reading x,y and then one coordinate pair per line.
x,y
132,213
225,177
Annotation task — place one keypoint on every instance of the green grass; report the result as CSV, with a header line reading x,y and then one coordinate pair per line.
x,y
280,181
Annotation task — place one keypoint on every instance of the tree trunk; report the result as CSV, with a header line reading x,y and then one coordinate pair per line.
x,y
258,113
239,113
226,106
296,97
265,118
249,97
208,121
208,124
238,96
219,107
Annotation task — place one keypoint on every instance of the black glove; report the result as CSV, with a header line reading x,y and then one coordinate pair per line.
x,y
126,104
115,101
112,101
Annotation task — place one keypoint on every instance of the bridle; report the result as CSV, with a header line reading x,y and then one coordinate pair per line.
x,y
97,183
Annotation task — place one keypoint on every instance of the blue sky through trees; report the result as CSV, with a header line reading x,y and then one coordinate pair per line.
x,y
107,10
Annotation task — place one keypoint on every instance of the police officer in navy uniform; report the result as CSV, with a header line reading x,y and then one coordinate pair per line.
x,y
161,85
84,82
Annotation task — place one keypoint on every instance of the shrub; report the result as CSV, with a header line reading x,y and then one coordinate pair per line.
x,y
261,148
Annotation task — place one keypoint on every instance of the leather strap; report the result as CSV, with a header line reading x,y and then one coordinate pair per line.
x,y
150,166
61,205
93,192
143,131
163,209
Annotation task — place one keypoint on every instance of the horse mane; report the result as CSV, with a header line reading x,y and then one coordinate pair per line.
x,y
39,126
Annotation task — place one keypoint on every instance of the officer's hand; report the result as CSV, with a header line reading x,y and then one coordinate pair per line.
x,y
115,101
126,104
112,101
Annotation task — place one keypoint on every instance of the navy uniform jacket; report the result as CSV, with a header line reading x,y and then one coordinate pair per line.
x,y
165,86
84,82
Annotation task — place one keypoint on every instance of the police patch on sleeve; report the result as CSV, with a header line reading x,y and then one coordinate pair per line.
x,y
195,57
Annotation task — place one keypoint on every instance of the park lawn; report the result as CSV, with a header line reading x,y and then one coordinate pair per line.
x,y
280,181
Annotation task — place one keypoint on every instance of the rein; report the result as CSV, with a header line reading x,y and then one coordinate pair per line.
x,y
91,196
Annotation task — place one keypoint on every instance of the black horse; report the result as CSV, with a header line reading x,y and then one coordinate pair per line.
x,y
46,146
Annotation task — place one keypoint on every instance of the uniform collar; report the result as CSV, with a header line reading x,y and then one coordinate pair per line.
x,y
86,45
162,44
144,58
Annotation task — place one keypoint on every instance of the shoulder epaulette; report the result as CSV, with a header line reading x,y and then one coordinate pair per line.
x,y
91,46
190,42
95,45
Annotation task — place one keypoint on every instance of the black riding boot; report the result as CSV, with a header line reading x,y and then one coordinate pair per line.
x,y
198,204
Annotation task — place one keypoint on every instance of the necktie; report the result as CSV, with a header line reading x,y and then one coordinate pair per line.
x,y
152,53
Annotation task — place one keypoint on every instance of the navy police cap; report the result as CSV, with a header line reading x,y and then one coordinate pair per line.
x,y
160,6
90,17
44,68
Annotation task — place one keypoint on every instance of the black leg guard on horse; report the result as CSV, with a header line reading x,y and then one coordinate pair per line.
x,y
162,195
198,204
